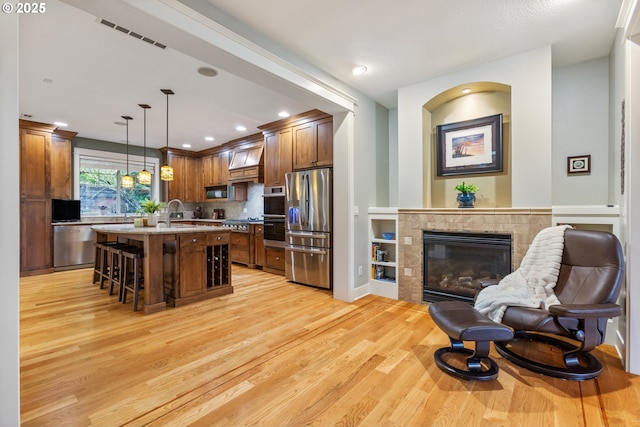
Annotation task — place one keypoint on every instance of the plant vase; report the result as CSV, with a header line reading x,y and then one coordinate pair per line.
x,y
152,219
466,200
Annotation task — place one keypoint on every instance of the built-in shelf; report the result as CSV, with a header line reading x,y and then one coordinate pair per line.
x,y
592,217
383,254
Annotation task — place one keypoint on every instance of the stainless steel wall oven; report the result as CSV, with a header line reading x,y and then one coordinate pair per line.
x,y
274,215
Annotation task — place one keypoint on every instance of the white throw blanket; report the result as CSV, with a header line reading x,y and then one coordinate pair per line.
x,y
531,285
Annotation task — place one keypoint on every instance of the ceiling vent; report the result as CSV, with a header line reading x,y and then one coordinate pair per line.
x,y
131,33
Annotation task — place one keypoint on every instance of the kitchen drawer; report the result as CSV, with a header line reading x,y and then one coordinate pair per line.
x,y
204,239
219,239
274,260
240,248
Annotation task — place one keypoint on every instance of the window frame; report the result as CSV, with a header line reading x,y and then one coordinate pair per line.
x,y
108,156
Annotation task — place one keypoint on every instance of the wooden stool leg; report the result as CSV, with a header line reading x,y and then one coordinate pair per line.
x,y
125,280
136,283
97,268
104,267
115,273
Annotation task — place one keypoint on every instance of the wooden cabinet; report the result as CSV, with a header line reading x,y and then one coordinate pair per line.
x,y
258,244
187,179
221,168
274,260
303,141
196,266
215,169
192,180
241,248
206,166
61,187
278,159
35,144
45,173
193,265
35,237
313,144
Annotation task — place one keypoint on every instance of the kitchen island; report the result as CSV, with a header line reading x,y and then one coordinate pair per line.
x,y
182,263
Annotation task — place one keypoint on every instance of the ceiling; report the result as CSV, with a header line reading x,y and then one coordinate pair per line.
x,y
77,70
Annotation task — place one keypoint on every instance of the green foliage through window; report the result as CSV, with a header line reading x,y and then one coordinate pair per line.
x,y
101,193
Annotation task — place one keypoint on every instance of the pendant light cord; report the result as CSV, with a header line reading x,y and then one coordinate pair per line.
x,y
144,162
127,146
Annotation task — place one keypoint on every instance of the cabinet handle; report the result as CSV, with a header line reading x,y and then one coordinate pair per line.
x,y
194,240
218,238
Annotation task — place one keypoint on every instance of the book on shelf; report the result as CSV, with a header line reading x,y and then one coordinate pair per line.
x,y
374,251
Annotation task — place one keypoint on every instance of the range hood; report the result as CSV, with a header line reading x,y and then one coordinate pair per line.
x,y
247,165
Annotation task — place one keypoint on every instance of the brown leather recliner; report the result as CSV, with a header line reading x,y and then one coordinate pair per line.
x,y
589,282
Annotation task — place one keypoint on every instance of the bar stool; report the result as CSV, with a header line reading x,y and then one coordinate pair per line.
x,y
132,278
101,262
113,274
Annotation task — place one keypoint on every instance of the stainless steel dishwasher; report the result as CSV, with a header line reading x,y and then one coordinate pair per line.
x,y
72,245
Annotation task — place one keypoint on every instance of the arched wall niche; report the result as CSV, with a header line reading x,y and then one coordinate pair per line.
x,y
452,106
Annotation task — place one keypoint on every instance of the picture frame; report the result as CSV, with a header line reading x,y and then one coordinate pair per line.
x,y
469,147
579,164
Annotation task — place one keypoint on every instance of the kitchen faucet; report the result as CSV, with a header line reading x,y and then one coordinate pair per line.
x,y
168,220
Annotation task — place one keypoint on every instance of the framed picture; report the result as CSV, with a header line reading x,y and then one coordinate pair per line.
x,y
579,164
473,146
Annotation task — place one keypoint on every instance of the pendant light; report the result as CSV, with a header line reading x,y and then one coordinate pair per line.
x,y
127,180
166,171
144,177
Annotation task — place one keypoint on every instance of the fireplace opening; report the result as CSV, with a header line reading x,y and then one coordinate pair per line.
x,y
458,265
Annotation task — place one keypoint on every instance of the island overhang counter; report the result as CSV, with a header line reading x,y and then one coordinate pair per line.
x,y
182,263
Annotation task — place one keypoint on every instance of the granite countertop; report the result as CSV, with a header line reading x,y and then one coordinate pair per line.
x,y
159,229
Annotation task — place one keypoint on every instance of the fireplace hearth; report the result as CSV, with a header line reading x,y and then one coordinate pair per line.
x,y
458,265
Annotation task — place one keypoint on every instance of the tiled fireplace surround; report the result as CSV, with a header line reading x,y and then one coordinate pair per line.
x,y
522,223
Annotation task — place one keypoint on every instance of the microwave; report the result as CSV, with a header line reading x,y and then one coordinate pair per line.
x,y
274,201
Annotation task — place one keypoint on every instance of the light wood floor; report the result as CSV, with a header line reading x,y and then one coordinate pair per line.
x,y
275,354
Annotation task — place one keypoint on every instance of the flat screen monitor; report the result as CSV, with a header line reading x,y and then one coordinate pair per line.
x,y
65,210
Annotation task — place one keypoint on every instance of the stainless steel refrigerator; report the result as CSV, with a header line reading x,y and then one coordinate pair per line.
x,y
308,239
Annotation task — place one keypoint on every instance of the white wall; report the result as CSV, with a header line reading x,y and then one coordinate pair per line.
x,y
529,75
393,157
632,144
580,127
365,167
10,225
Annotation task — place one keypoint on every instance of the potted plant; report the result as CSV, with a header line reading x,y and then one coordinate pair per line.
x,y
467,195
151,207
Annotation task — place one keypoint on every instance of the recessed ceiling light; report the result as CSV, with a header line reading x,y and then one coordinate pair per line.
x,y
358,70
208,138
47,80
186,145
60,124
283,114
466,90
207,71
241,128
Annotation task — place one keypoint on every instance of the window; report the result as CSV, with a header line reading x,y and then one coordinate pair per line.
x,y
97,182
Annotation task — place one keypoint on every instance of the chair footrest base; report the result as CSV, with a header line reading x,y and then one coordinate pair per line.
x,y
475,371
589,369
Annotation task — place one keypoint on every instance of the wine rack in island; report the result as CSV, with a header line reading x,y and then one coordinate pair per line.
x,y
383,235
